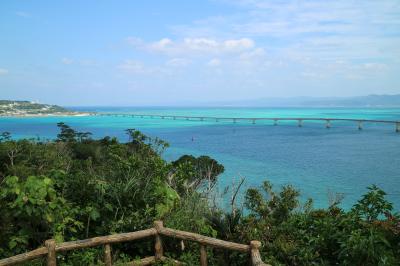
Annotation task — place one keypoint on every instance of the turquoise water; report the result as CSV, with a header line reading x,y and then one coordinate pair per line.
x,y
318,161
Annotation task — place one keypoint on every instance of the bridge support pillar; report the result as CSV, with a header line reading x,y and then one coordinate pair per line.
x,y
328,123
360,125
300,123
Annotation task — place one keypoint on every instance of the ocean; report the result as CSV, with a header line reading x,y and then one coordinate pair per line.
x,y
320,162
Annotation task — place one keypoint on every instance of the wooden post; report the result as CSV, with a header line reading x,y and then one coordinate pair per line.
x,y
360,125
203,255
234,120
107,255
398,127
158,225
328,123
300,124
174,117
255,253
216,120
275,122
254,121
51,252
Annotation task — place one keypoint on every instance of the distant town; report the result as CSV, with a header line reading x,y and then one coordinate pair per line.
x,y
28,108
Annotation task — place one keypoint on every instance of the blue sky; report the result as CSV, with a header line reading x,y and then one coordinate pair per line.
x,y
167,52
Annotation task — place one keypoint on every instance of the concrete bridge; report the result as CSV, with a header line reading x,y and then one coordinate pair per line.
x,y
300,120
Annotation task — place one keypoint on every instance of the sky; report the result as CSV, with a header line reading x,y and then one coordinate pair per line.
x,y
176,52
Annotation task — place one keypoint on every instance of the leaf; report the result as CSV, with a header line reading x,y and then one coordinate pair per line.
x,y
12,244
47,181
53,205
94,214
108,206
49,217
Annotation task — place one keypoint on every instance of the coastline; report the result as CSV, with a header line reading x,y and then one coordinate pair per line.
x,y
72,114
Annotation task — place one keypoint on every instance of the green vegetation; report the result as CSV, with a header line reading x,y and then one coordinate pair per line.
x,y
77,187
15,108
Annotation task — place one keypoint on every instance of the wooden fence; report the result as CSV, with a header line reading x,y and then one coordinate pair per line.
x,y
51,248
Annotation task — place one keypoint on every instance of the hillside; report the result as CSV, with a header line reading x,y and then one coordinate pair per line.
x,y
26,108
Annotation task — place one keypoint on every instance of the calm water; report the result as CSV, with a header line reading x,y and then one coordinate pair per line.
x,y
318,161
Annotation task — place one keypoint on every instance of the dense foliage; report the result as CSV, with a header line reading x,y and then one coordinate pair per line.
x,y
77,187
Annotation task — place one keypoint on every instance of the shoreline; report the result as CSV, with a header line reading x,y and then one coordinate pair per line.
x,y
72,114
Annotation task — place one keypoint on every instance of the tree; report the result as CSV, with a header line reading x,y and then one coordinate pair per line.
x,y
190,173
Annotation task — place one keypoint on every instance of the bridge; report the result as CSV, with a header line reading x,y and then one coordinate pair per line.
x,y
300,120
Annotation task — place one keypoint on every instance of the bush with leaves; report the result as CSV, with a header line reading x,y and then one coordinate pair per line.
x,y
32,211
78,187
368,234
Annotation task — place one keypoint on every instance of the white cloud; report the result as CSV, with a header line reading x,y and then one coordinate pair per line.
x,y
3,71
312,75
253,54
161,45
285,42
80,62
320,30
178,62
214,62
238,45
375,66
194,46
199,44
345,69
132,66
138,67
66,61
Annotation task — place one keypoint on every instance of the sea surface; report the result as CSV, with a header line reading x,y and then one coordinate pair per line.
x,y
323,163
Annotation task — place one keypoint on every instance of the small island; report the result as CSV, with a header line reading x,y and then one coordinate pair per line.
x,y
28,108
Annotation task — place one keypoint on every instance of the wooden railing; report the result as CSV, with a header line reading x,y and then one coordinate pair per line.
x,y
51,247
